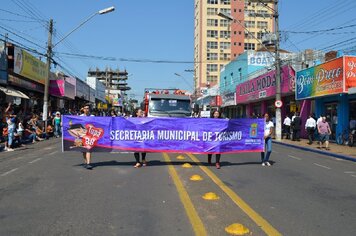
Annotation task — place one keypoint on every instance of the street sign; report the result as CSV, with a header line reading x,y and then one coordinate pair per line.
x,y
278,103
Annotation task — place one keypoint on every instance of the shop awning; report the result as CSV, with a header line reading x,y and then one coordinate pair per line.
x,y
13,92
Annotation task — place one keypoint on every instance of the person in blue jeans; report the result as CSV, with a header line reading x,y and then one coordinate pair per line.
x,y
11,126
57,124
268,141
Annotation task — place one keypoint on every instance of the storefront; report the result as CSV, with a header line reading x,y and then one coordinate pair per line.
x,y
228,106
82,91
64,89
332,87
258,95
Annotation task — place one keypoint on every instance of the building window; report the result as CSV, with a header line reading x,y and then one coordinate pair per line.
x,y
249,24
224,23
212,33
225,56
250,35
240,74
225,2
213,22
249,46
212,78
225,81
224,34
212,45
212,11
226,11
212,67
262,24
225,45
240,44
211,56
250,13
261,34
213,1
231,77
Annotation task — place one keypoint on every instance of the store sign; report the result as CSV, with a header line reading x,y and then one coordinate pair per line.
x,y
264,86
82,90
3,63
228,99
263,58
62,88
13,80
350,74
29,66
321,80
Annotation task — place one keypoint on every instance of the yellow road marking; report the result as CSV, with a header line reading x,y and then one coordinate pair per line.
x,y
193,216
259,220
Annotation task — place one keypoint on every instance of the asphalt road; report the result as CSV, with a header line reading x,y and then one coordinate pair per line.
x,y
46,192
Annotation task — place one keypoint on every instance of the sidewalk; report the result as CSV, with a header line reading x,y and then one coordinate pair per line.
x,y
338,151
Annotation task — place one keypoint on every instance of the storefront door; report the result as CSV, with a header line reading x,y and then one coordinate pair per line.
x,y
331,117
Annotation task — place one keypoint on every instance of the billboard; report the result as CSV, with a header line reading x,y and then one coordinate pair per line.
x,y
264,58
29,66
321,80
350,74
264,86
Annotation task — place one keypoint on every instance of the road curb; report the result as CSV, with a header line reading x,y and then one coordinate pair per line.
x,y
344,157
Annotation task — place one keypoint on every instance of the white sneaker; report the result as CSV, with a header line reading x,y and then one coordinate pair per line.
x,y
10,149
5,148
263,164
268,164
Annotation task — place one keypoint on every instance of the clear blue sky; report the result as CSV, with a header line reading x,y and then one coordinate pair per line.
x,y
157,30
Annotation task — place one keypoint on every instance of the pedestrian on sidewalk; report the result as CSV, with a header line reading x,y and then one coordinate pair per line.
x,y
138,113
216,115
310,128
57,123
296,126
87,154
286,125
268,141
324,133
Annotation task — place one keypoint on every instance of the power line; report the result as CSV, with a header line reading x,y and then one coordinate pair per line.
x,y
17,14
319,31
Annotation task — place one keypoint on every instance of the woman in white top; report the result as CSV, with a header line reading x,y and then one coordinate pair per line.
x,y
268,141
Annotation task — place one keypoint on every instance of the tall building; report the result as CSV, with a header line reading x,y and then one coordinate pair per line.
x,y
217,40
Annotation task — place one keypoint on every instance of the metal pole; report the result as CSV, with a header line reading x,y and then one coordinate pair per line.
x,y
49,57
278,129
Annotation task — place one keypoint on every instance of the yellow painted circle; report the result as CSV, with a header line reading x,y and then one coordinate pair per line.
x,y
180,157
211,196
237,229
187,165
196,178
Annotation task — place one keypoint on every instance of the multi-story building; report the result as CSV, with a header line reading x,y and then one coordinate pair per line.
x,y
217,40
115,82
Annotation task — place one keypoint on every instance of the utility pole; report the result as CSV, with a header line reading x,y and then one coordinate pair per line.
x,y
46,86
278,129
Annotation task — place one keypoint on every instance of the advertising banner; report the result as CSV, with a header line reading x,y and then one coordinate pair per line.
x,y
56,87
321,80
29,66
178,135
350,73
3,63
14,80
228,99
264,86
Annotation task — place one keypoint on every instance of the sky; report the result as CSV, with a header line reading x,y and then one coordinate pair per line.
x,y
142,36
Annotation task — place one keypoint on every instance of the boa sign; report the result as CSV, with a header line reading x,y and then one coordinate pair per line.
x,y
179,135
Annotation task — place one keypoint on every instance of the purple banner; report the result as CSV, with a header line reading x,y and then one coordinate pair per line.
x,y
178,135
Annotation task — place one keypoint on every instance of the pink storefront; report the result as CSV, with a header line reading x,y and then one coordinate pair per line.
x,y
258,95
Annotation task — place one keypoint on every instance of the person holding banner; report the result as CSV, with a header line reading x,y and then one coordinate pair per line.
x,y
139,113
216,115
268,141
87,155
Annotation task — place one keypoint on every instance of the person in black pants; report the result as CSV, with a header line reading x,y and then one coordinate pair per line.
x,y
296,124
215,114
138,113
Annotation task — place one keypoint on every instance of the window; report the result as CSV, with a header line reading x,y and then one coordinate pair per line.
x,y
263,13
212,67
212,33
225,56
212,22
212,11
250,35
261,34
240,74
212,45
225,45
250,13
226,11
224,23
213,1
262,24
225,81
249,46
224,34
231,77
211,56
225,2
250,24
212,78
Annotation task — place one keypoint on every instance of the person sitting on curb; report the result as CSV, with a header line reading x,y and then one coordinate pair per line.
x,y
324,133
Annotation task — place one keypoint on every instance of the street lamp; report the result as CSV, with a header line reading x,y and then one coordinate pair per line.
x,y
179,75
278,128
49,55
